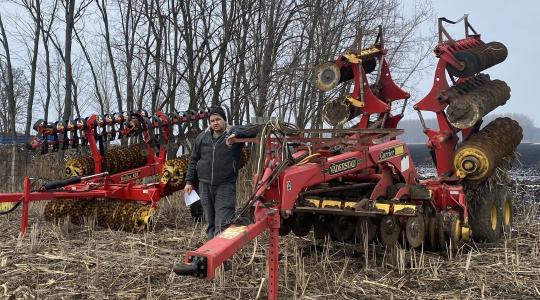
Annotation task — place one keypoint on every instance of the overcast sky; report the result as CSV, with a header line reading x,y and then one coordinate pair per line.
x,y
513,23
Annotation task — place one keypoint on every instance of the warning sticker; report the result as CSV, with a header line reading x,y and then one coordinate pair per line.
x,y
233,232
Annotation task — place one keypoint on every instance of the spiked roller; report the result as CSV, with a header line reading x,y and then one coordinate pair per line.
x,y
175,171
478,58
116,160
110,213
477,158
470,101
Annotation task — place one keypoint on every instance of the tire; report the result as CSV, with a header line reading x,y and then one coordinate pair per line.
x,y
485,217
507,211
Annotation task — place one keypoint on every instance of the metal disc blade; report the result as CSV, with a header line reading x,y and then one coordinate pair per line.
x,y
302,224
415,231
336,112
342,228
321,227
365,231
327,76
6,206
389,230
432,231
285,226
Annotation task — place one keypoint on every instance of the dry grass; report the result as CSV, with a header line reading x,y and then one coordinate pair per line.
x,y
67,261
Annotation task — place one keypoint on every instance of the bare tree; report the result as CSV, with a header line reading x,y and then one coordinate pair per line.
x,y
10,97
102,6
34,8
70,21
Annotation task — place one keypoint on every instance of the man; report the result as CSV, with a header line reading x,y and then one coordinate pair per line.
x,y
214,162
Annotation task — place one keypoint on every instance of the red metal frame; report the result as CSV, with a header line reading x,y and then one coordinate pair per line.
x,y
118,186
444,140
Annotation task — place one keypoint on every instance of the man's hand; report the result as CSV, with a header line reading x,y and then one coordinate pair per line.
x,y
188,188
231,140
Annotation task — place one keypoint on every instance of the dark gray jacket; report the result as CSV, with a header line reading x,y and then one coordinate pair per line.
x,y
212,161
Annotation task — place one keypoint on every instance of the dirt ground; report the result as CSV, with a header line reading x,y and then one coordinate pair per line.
x,y
66,261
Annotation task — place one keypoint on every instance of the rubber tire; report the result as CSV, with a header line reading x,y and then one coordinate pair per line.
x,y
505,198
480,217
471,62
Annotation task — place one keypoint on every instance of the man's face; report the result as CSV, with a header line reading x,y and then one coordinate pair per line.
x,y
217,123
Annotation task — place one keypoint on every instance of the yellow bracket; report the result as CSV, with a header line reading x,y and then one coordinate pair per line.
x,y
466,233
355,102
357,58
352,58
332,203
404,209
383,207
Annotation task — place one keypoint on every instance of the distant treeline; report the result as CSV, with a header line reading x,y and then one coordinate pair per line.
x,y
413,129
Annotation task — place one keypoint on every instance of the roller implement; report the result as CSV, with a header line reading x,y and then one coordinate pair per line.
x,y
360,184
107,183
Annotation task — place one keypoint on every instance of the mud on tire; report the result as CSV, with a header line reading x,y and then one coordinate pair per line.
x,y
485,216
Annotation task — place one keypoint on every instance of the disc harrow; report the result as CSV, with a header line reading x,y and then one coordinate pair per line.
x,y
360,184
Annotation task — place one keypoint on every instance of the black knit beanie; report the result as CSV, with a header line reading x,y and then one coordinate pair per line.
x,y
216,110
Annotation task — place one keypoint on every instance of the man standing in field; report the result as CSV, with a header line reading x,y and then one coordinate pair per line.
x,y
214,162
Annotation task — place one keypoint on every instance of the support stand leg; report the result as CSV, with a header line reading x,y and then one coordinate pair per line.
x,y
273,268
26,196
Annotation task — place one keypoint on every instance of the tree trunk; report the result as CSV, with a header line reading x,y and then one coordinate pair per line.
x,y
68,102
35,52
11,102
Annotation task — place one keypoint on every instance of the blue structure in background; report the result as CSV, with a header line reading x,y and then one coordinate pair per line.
x,y
6,139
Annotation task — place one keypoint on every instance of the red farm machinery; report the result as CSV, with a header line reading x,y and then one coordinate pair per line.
x,y
360,184
107,183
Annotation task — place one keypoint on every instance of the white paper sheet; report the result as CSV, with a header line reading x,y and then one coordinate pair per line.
x,y
191,197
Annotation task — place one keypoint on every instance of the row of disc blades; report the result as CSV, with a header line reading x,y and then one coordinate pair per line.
x,y
436,232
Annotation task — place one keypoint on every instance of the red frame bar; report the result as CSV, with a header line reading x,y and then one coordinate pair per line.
x,y
227,243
